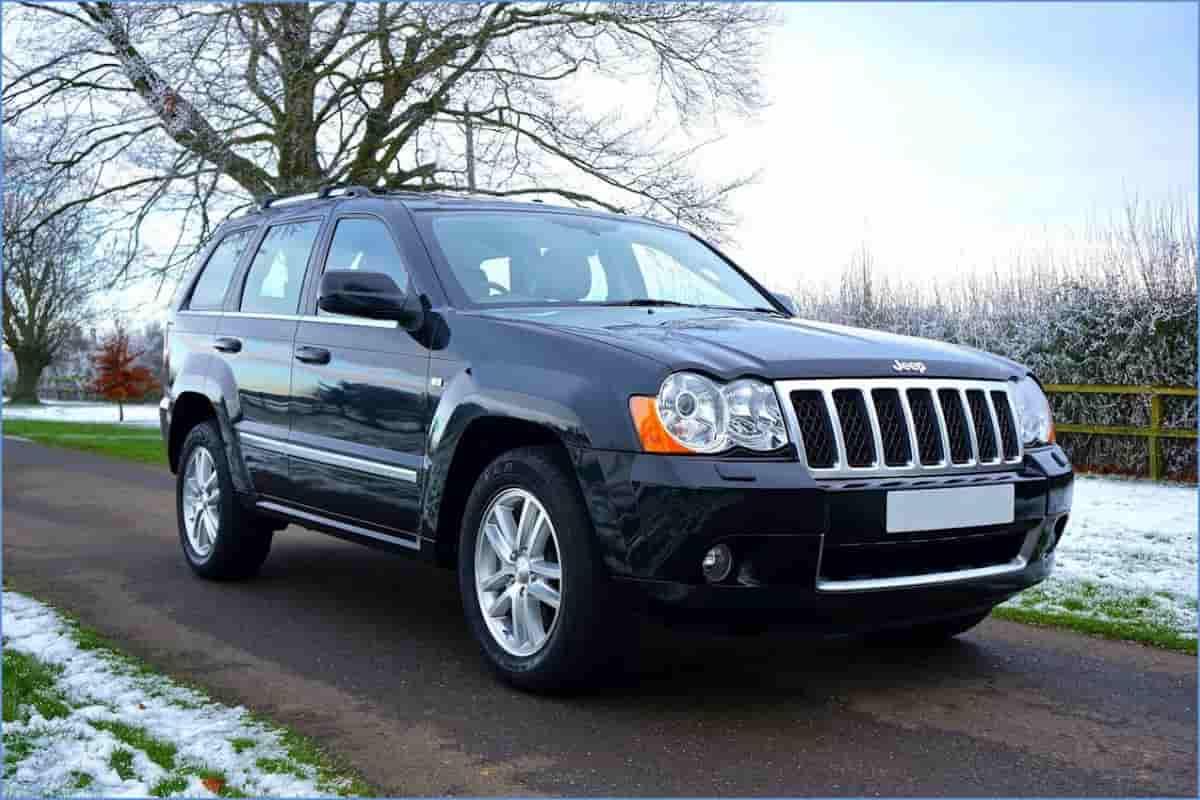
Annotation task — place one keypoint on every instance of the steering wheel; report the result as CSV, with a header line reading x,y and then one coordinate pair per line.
x,y
502,290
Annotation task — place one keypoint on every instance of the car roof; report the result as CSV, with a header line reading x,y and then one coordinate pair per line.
x,y
419,201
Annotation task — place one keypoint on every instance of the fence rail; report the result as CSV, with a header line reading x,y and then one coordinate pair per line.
x,y
1153,433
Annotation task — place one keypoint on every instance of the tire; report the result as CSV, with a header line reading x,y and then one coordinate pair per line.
x,y
242,539
577,633
932,633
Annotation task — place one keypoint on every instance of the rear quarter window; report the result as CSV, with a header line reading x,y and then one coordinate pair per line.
x,y
211,286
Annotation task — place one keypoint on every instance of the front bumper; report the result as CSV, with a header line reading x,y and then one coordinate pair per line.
x,y
813,553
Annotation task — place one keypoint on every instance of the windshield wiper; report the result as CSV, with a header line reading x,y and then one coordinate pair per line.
x,y
648,301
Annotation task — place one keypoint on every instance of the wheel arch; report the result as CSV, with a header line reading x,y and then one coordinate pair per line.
x,y
189,410
482,439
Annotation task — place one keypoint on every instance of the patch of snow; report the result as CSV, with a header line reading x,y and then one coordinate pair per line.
x,y
1131,539
100,688
140,414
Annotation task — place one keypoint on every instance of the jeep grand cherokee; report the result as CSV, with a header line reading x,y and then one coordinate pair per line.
x,y
584,412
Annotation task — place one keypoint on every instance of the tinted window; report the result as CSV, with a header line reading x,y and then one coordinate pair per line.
x,y
532,258
365,244
214,280
277,274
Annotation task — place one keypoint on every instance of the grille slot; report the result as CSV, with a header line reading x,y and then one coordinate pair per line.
x,y
893,427
925,423
1008,427
985,434
820,448
902,559
956,425
856,427
909,426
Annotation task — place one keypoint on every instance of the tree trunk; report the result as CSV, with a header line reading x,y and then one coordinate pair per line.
x,y
29,372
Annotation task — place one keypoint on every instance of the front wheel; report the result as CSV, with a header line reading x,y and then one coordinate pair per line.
x,y
530,583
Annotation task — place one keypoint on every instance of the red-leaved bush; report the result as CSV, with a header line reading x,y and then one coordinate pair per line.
x,y
119,378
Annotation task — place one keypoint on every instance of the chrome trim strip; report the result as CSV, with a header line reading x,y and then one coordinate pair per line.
x,y
835,419
947,457
934,578
358,322
326,457
351,321
288,511
931,579
866,386
970,418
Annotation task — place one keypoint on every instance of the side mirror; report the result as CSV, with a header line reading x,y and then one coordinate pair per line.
x,y
787,302
373,295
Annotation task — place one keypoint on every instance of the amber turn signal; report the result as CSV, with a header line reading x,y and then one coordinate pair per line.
x,y
654,436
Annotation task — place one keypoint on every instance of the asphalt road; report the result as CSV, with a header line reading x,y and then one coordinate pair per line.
x,y
368,652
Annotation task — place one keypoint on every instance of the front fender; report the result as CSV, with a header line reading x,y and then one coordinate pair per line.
x,y
464,401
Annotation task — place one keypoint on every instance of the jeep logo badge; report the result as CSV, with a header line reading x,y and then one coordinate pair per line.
x,y
909,366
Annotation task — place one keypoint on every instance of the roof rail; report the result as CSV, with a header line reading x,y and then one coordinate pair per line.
x,y
350,189
321,193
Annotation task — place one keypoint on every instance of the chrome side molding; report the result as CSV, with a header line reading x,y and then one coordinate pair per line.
x,y
326,457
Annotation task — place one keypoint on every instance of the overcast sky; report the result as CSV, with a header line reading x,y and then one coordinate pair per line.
x,y
949,136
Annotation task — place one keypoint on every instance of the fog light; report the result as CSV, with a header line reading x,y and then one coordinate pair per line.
x,y
717,563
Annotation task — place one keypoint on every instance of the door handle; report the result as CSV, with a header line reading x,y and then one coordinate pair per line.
x,y
312,355
228,344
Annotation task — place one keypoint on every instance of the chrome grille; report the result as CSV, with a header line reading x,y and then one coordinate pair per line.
x,y
910,426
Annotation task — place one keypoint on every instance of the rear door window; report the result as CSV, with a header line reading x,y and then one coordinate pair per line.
x,y
277,273
210,289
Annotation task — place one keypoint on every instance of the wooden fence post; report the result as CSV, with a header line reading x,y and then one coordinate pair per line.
x,y
1156,467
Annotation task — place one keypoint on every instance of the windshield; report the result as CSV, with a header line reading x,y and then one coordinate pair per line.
x,y
531,258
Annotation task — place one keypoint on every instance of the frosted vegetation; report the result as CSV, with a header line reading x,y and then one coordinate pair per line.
x,y
1118,308
80,719
1128,558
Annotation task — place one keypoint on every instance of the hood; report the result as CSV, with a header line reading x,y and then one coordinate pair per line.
x,y
731,344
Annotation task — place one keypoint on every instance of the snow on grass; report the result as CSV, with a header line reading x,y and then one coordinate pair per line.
x,y
140,414
81,719
1128,556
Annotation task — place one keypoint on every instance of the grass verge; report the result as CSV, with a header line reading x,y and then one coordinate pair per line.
x,y
40,713
1123,630
130,442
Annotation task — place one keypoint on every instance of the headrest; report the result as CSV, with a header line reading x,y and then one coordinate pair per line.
x,y
563,273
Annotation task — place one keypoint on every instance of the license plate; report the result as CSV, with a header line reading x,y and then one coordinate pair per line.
x,y
942,509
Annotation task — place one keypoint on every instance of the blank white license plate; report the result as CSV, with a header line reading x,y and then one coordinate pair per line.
x,y
941,509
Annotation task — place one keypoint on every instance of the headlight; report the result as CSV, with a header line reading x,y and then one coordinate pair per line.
x,y
699,415
1033,413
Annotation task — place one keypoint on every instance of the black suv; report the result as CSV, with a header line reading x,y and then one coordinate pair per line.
x,y
584,413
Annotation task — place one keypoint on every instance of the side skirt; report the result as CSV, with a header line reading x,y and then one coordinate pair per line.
x,y
340,529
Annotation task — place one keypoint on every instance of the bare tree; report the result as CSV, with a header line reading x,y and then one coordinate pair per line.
x,y
193,106
52,269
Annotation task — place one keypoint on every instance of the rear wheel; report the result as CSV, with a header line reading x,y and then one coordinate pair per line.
x,y
220,539
530,583
932,633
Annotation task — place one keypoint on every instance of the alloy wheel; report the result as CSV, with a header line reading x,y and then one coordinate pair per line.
x,y
201,502
518,574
